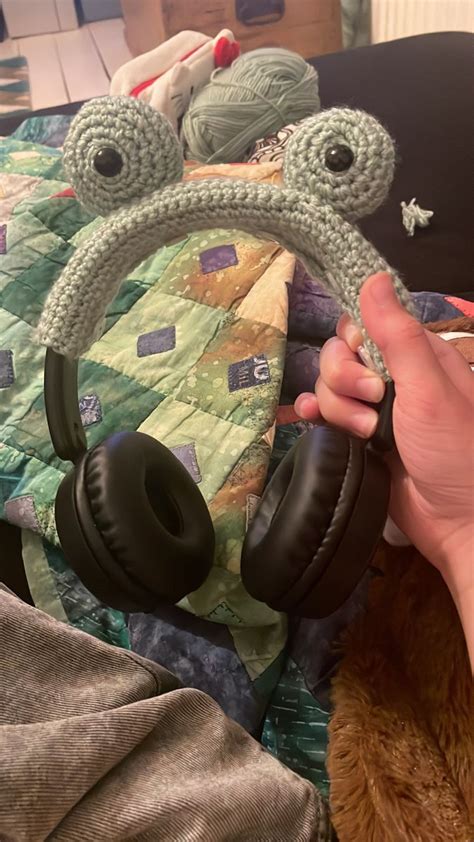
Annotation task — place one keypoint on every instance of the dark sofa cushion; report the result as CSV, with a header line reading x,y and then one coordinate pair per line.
x,y
421,88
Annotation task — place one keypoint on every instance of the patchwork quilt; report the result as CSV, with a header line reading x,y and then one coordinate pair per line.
x,y
192,354
195,353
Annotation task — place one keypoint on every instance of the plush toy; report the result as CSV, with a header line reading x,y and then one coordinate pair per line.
x,y
167,76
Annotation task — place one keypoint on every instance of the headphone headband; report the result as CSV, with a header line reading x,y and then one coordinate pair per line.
x,y
383,440
62,406
65,424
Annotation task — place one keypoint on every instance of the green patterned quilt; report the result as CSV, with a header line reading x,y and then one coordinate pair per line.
x,y
192,354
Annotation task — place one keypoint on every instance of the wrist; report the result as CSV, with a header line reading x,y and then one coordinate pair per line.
x,y
459,578
456,560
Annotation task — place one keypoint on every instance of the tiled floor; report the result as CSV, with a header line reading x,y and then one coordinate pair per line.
x,y
73,65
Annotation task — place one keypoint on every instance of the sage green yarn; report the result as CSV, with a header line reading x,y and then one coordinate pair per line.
x,y
143,140
311,215
261,92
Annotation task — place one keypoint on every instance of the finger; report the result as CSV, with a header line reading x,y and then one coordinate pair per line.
x,y
345,412
404,344
347,330
452,362
345,375
307,407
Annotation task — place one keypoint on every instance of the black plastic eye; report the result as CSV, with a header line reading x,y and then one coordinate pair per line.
x,y
108,161
338,158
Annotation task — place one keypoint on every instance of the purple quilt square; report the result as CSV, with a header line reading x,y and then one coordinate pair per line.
x,y
254,371
251,507
21,512
7,375
186,453
156,342
3,239
90,410
220,257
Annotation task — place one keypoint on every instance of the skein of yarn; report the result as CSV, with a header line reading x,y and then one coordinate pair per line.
x,y
260,92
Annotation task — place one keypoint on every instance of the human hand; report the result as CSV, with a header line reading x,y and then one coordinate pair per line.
x,y
432,495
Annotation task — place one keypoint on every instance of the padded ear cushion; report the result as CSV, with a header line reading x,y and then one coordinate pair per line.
x,y
151,530
82,546
358,544
302,520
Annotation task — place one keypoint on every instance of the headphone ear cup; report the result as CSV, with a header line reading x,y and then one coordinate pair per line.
x,y
85,552
145,522
318,524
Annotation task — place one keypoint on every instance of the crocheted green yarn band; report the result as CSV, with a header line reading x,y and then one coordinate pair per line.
x,y
338,167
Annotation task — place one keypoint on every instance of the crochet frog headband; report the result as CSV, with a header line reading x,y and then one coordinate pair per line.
x,y
131,520
125,162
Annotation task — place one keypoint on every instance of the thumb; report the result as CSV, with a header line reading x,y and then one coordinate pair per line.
x,y
407,352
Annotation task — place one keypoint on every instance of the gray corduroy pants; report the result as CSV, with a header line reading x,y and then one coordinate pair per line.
x,y
97,744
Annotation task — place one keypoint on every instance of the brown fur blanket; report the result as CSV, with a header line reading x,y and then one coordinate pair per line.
x,y
401,751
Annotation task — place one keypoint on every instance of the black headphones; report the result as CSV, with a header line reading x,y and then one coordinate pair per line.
x,y
320,519
131,522
135,528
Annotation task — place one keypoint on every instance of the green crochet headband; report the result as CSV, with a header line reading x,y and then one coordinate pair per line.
x,y
125,162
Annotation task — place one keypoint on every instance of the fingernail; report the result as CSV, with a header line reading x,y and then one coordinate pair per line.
x,y
364,422
366,358
370,387
381,290
305,406
354,337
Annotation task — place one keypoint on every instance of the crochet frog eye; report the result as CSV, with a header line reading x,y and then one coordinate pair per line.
x,y
343,158
119,149
108,162
338,157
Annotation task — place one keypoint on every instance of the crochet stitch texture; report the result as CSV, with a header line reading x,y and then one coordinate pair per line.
x,y
311,215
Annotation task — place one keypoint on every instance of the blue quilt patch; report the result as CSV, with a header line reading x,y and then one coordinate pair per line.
x,y
186,453
253,371
219,257
21,511
7,375
156,342
90,410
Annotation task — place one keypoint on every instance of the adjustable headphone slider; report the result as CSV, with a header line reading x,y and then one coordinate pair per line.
x,y
383,439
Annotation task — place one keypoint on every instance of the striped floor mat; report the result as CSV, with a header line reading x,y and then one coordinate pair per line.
x,y
14,86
